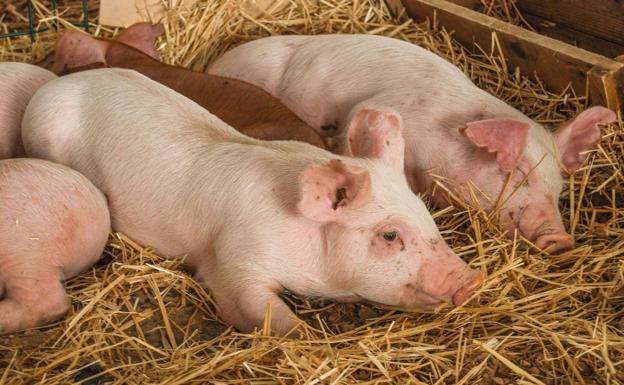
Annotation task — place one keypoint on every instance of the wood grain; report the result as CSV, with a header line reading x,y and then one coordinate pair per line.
x,y
574,37
600,18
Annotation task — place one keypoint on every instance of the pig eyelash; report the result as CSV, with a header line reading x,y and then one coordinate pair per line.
x,y
390,236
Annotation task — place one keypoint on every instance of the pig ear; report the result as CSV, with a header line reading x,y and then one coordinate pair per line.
x,y
328,190
76,49
506,137
142,36
581,134
374,133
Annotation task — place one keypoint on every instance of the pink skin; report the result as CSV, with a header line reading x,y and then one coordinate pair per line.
x,y
452,128
431,285
75,50
249,109
53,224
531,200
251,217
18,82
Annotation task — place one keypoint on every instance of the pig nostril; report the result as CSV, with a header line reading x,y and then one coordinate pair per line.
x,y
555,243
462,295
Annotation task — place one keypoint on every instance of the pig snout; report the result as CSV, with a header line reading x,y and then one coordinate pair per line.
x,y
545,230
462,295
448,280
554,242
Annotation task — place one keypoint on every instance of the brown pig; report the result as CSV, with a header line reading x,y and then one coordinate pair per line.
x,y
248,108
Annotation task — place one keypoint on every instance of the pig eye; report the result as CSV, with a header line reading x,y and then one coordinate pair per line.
x,y
390,236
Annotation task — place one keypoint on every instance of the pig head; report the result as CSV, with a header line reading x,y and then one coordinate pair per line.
x,y
515,166
385,251
520,165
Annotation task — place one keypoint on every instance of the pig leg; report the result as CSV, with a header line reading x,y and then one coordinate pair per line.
x,y
242,302
245,307
31,297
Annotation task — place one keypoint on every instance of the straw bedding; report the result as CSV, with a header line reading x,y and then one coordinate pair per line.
x,y
545,319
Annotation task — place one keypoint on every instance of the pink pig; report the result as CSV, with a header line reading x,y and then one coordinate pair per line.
x,y
18,83
452,127
251,217
53,224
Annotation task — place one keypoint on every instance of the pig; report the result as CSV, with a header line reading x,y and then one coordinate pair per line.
x,y
453,129
18,82
243,106
54,223
250,217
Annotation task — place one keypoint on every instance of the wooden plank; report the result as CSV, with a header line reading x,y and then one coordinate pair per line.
x,y
475,5
600,18
556,63
559,30
123,13
574,37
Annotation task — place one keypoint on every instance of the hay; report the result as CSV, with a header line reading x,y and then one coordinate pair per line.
x,y
138,319
506,10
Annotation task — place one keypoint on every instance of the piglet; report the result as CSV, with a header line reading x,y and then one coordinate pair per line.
x,y
243,106
471,139
53,224
251,217
18,83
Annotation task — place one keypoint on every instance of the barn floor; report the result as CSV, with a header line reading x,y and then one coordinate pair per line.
x,y
539,319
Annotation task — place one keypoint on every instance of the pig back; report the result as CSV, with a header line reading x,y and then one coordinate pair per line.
x,y
242,105
172,171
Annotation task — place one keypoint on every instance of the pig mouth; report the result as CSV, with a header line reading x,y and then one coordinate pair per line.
x,y
545,228
423,299
421,307
348,298
418,301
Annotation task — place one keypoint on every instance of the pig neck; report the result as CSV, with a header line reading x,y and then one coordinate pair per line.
x,y
300,257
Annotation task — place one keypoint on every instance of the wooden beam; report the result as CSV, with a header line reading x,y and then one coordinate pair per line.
x,y
600,18
566,31
556,63
574,37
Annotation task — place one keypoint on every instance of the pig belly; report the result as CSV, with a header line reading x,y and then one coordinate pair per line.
x,y
51,215
53,224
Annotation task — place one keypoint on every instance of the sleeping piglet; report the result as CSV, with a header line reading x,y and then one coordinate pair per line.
x,y
53,224
451,127
251,217
243,106
18,83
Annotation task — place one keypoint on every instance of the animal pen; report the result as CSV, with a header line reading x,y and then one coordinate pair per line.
x,y
138,318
